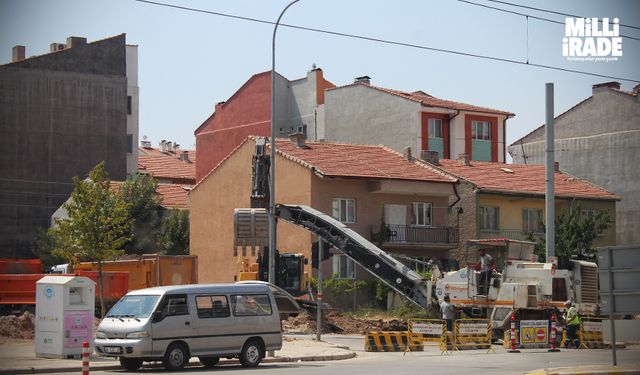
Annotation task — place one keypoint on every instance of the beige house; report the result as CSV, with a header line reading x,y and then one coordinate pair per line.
x,y
361,185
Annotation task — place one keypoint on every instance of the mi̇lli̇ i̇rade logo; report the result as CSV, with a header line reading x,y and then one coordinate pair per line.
x,y
592,39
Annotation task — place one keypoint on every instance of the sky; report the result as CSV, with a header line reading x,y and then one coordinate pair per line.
x,y
189,61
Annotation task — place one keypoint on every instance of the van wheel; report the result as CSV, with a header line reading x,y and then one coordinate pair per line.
x,y
209,361
131,364
251,354
176,357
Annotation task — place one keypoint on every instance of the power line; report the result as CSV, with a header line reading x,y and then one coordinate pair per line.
x,y
528,15
385,41
552,11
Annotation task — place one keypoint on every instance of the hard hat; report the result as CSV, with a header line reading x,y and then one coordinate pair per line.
x,y
568,303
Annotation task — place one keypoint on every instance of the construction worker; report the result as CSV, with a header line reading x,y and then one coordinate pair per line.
x,y
486,265
573,325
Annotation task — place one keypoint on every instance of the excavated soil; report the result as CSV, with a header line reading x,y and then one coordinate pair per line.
x,y
18,327
333,322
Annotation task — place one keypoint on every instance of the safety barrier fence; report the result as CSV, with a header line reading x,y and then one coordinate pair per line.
x,y
473,333
430,331
379,341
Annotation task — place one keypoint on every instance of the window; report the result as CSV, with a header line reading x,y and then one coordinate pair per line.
x,y
174,305
532,220
481,130
488,218
421,214
435,128
130,143
302,129
251,304
129,105
212,306
344,210
558,289
344,267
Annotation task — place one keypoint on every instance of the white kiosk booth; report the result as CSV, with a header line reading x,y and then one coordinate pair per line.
x,y
64,315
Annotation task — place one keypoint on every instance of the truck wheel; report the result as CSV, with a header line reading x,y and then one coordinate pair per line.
x,y
251,354
131,364
176,357
209,361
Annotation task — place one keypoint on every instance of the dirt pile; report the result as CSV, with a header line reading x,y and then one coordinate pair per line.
x,y
333,322
18,327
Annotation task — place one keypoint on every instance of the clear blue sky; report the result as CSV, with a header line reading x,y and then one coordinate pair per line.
x,y
189,61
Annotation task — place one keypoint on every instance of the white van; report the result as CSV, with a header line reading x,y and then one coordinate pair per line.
x,y
173,323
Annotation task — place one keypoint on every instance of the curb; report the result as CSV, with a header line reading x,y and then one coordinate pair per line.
x,y
585,371
78,368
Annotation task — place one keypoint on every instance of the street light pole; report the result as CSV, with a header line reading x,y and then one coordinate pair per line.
x,y
272,175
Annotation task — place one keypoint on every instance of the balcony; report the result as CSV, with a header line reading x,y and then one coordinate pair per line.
x,y
414,235
512,234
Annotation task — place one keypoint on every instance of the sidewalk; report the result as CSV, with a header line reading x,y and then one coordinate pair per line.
x,y
588,370
18,357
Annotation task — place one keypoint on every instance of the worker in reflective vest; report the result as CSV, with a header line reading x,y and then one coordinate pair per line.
x,y
573,325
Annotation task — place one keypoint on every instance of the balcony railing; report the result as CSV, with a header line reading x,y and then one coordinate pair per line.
x,y
407,234
512,234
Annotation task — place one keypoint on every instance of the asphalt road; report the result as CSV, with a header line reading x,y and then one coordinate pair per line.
x,y
429,361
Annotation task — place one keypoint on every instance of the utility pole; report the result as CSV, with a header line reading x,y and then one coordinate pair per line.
x,y
550,169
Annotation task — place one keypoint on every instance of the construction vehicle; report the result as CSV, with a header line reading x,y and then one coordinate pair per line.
x,y
525,287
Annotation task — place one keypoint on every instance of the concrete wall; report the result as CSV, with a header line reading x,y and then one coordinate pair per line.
x,y
598,140
60,114
133,118
360,114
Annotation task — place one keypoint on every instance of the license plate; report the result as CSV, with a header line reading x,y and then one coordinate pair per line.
x,y
113,349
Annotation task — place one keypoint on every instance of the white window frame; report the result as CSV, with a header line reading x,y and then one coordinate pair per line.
x,y
435,128
343,266
527,224
427,214
481,130
344,210
485,215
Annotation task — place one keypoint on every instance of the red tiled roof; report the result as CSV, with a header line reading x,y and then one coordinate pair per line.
x,y
171,195
167,164
431,101
523,179
359,161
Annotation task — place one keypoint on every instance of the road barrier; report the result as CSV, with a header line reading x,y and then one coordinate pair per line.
x,y
429,331
473,333
391,342
591,333
85,358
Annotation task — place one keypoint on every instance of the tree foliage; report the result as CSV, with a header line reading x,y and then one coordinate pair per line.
x,y
145,212
575,233
174,238
98,224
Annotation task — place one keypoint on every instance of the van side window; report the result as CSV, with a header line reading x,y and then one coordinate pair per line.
x,y
212,306
175,304
251,304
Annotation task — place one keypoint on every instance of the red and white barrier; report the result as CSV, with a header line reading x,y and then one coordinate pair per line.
x,y
513,335
85,358
553,334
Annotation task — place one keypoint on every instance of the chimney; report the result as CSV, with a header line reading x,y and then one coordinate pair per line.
x,y
605,86
365,80
636,89
556,166
184,157
407,154
18,53
176,147
55,47
219,105
76,41
163,146
464,159
298,140
146,144
432,157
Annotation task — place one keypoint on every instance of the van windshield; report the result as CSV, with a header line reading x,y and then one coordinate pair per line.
x,y
134,307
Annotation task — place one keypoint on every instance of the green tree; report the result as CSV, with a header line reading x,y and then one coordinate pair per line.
x,y
174,239
44,247
575,233
98,225
145,211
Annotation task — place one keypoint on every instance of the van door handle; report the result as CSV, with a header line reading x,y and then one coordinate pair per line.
x,y
187,323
